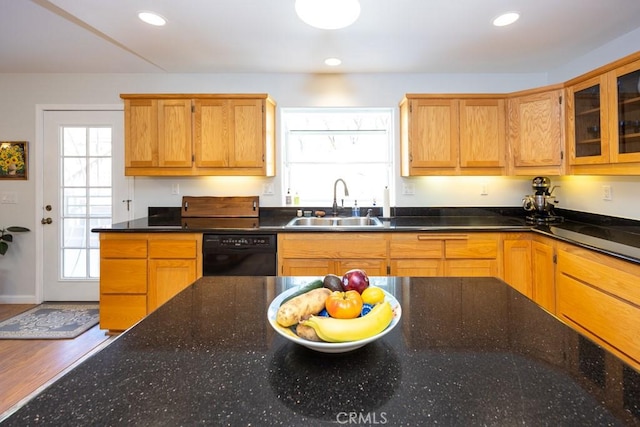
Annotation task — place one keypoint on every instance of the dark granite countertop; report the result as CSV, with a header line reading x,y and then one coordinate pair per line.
x,y
609,235
467,351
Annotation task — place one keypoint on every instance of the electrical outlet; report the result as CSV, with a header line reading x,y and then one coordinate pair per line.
x,y
606,192
267,189
175,188
484,190
408,189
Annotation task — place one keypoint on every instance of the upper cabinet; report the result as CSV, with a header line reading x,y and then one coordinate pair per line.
x,y
603,121
536,136
203,134
452,135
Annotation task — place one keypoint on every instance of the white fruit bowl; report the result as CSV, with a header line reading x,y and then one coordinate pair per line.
x,y
328,347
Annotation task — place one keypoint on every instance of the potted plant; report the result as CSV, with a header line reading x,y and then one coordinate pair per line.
x,y
5,237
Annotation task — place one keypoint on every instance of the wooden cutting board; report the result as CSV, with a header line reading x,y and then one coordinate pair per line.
x,y
218,207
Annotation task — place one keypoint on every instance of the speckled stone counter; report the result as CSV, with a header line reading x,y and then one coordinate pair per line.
x,y
467,351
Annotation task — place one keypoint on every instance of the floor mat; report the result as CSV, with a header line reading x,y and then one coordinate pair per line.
x,y
51,321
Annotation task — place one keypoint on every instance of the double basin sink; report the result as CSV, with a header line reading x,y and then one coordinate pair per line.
x,y
334,222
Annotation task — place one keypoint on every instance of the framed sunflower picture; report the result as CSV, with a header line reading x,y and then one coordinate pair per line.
x,y
14,159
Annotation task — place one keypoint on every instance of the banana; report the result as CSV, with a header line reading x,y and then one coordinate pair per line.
x,y
342,330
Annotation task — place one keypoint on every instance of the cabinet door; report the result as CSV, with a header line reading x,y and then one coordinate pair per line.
x,y
625,113
167,277
544,283
433,133
588,125
306,267
417,267
212,128
482,133
247,144
174,133
141,132
535,133
517,263
373,267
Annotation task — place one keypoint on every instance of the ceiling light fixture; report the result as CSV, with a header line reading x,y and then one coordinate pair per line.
x,y
328,14
152,18
332,62
506,19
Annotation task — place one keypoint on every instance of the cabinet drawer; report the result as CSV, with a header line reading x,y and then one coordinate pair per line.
x,y
471,247
332,245
136,248
610,319
173,249
619,280
416,246
120,276
119,312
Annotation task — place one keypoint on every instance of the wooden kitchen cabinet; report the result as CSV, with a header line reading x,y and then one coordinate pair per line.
x,y
598,296
157,134
450,135
319,254
235,134
141,271
199,134
123,280
543,266
536,132
603,120
445,254
517,262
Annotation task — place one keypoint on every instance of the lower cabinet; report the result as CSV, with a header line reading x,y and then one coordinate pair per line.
x,y
141,271
598,295
319,254
445,254
395,254
543,267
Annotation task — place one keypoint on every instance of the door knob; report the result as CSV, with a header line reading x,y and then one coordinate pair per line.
x,y
46,220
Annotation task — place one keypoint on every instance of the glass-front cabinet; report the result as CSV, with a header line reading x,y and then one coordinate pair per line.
x,y
626,113
604,119
588,133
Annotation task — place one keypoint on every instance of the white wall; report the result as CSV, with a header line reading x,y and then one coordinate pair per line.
x,y
21,93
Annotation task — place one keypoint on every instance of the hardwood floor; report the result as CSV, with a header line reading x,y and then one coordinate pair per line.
x,y
28,365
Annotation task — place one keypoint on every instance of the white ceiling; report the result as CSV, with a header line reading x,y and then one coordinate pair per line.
x,y
265,36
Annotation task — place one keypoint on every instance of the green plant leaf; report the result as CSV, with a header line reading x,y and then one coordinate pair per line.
x,y
3,247
17,229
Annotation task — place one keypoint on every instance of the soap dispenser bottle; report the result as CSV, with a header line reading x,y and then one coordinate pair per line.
x,y
355,211
287,199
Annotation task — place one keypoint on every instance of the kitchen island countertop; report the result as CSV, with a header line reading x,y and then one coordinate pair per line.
x,y
467,351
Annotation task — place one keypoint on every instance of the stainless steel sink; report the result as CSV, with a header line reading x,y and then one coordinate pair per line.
x,y
334,222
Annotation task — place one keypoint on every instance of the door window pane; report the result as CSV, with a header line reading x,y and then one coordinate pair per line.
x,y
86,191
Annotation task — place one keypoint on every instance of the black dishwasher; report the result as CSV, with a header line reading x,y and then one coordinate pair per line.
x,y
239,254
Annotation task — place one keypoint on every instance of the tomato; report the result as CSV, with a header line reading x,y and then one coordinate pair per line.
x,y
344,305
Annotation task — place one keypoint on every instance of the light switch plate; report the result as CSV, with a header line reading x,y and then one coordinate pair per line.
x,y
8,197
408,188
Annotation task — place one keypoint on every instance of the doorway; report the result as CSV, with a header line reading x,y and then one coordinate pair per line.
x,y
83,187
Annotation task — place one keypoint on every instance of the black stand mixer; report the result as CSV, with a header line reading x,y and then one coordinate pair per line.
x,y
541,204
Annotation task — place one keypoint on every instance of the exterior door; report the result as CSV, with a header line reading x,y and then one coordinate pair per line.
x,y
83,187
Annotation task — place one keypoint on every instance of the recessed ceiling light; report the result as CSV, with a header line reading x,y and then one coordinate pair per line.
x,y
328,14
506,19
152,18
332,62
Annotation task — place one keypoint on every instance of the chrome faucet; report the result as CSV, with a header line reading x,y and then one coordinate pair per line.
x,y
335,189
